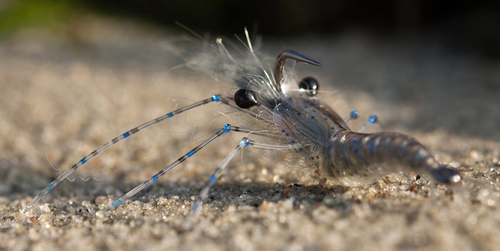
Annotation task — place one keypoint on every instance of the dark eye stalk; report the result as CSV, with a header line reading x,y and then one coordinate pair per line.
x,y
245,98
310,85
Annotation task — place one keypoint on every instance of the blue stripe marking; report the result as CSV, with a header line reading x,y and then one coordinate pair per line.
x,y
49,187
83,161
126,134
170,115
195,207
357,153
372,146
190,153
342,156
155,177
212,179
116,203
355,145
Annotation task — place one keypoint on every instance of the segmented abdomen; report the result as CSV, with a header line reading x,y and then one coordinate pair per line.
x,y
355,159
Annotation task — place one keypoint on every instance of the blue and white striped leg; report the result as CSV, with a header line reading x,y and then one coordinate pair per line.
x,y
215,98
224,130
204,192
371,120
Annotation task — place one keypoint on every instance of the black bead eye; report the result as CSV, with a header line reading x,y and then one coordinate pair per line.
x,y
245,98
310,85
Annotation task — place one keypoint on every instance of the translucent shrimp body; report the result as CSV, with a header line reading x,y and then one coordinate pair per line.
x,y
291,119
346,157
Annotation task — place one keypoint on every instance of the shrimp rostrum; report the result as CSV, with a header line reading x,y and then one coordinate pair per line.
x,y
285,115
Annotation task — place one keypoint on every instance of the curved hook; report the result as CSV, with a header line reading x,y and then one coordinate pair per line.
x,y
289,54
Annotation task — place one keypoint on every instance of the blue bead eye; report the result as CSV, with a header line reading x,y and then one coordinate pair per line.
x,y
372,119
354,114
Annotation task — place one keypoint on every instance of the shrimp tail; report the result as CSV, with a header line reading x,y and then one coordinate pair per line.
x,y
359,158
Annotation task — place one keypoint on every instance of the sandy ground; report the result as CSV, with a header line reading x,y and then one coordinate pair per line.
x,y
61,98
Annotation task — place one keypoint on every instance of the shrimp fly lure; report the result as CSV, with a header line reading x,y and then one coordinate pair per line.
x,y
288,113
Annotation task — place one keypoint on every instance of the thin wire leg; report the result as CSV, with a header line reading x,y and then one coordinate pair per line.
x,y
204,192
263,133
371,120
225,129
215,98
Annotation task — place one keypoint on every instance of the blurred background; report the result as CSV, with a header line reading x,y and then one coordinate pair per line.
x,y
463,24
440,57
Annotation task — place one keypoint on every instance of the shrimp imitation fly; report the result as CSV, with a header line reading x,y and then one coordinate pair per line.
x,y
292,118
